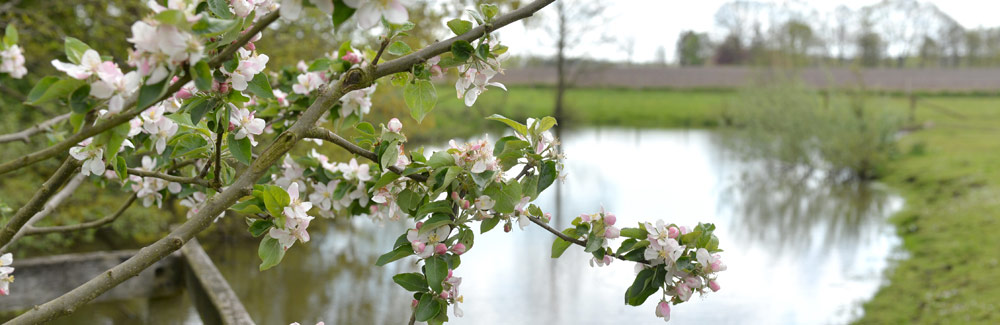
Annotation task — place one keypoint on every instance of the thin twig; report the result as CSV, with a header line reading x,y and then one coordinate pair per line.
x,y
218,164
170,178
327,135
25,135
563,236
385,43
31,230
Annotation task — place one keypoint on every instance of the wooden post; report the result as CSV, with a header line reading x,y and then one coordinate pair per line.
x,y
220,294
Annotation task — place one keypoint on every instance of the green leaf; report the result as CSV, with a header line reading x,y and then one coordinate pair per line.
x,y
220,8
80,101
385,180
441,159
188,144
58,89
200,106
594,242
270,253
634,233
251,206
547,175
241,149
121,168
459,26
116,136
427,308
76,120
559,245
399,48
633,292
436,269
546,123
506,197
150,94
40,87
489,10
259,227
411,281
389,155
462,50
483,179
488,224
172,17
529,186
436,206
259,86
75,49
420,97
341,12
365,128
517,126
202,76
434,222
10,35
395,254
408,200
483,51
275,200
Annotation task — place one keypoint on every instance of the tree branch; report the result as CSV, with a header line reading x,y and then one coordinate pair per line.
x,y
125,116
329,136
37,201
218,164
171,178
201,220
31,230
55,202
25,135
406,62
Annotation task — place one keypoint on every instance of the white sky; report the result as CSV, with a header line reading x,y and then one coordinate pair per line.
x,y
655,23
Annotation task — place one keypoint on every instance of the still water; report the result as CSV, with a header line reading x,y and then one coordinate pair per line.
x,y
799,250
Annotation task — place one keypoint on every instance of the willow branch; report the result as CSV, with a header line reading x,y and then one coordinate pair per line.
x,y
55,202
37,201
69,302
125,116
30,230
329,136
25,135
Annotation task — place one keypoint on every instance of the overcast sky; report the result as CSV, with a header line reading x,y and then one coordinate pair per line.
x,y
635,18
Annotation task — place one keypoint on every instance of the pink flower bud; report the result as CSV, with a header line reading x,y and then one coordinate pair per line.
x,y
419,224
607,260
466,204
663,309
419,247
183,94
440,249
394,125
414,303
585,217
444,295
715,286
174,79
610,219
672,232
232,126
612,233
458,249
548,217
351,57
250,46
506,227
224,88
449,274
684,230
454,196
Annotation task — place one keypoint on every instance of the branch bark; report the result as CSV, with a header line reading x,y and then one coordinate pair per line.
x,y
170,178
26,134
125,116
50,206
31,230
37,201
284,142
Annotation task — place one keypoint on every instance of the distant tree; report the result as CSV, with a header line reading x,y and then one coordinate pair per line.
x,y
930,53
872,49
661,56
796,38
730,51
973,48
691,48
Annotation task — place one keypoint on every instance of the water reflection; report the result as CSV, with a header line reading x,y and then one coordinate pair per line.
x,y
799,251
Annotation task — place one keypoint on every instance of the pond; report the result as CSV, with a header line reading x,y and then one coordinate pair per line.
x,y
799,250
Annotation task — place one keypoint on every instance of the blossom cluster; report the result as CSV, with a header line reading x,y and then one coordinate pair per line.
x,y
476,156
11,55
6,271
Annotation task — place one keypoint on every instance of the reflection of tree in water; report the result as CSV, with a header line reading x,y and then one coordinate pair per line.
x,y
795,211
334,273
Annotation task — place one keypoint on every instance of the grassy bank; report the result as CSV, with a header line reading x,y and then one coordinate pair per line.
x,y
950,176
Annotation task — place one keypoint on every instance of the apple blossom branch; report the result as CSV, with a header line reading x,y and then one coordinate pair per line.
x,y
69,302
36,203
329,136
26,134
125,116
